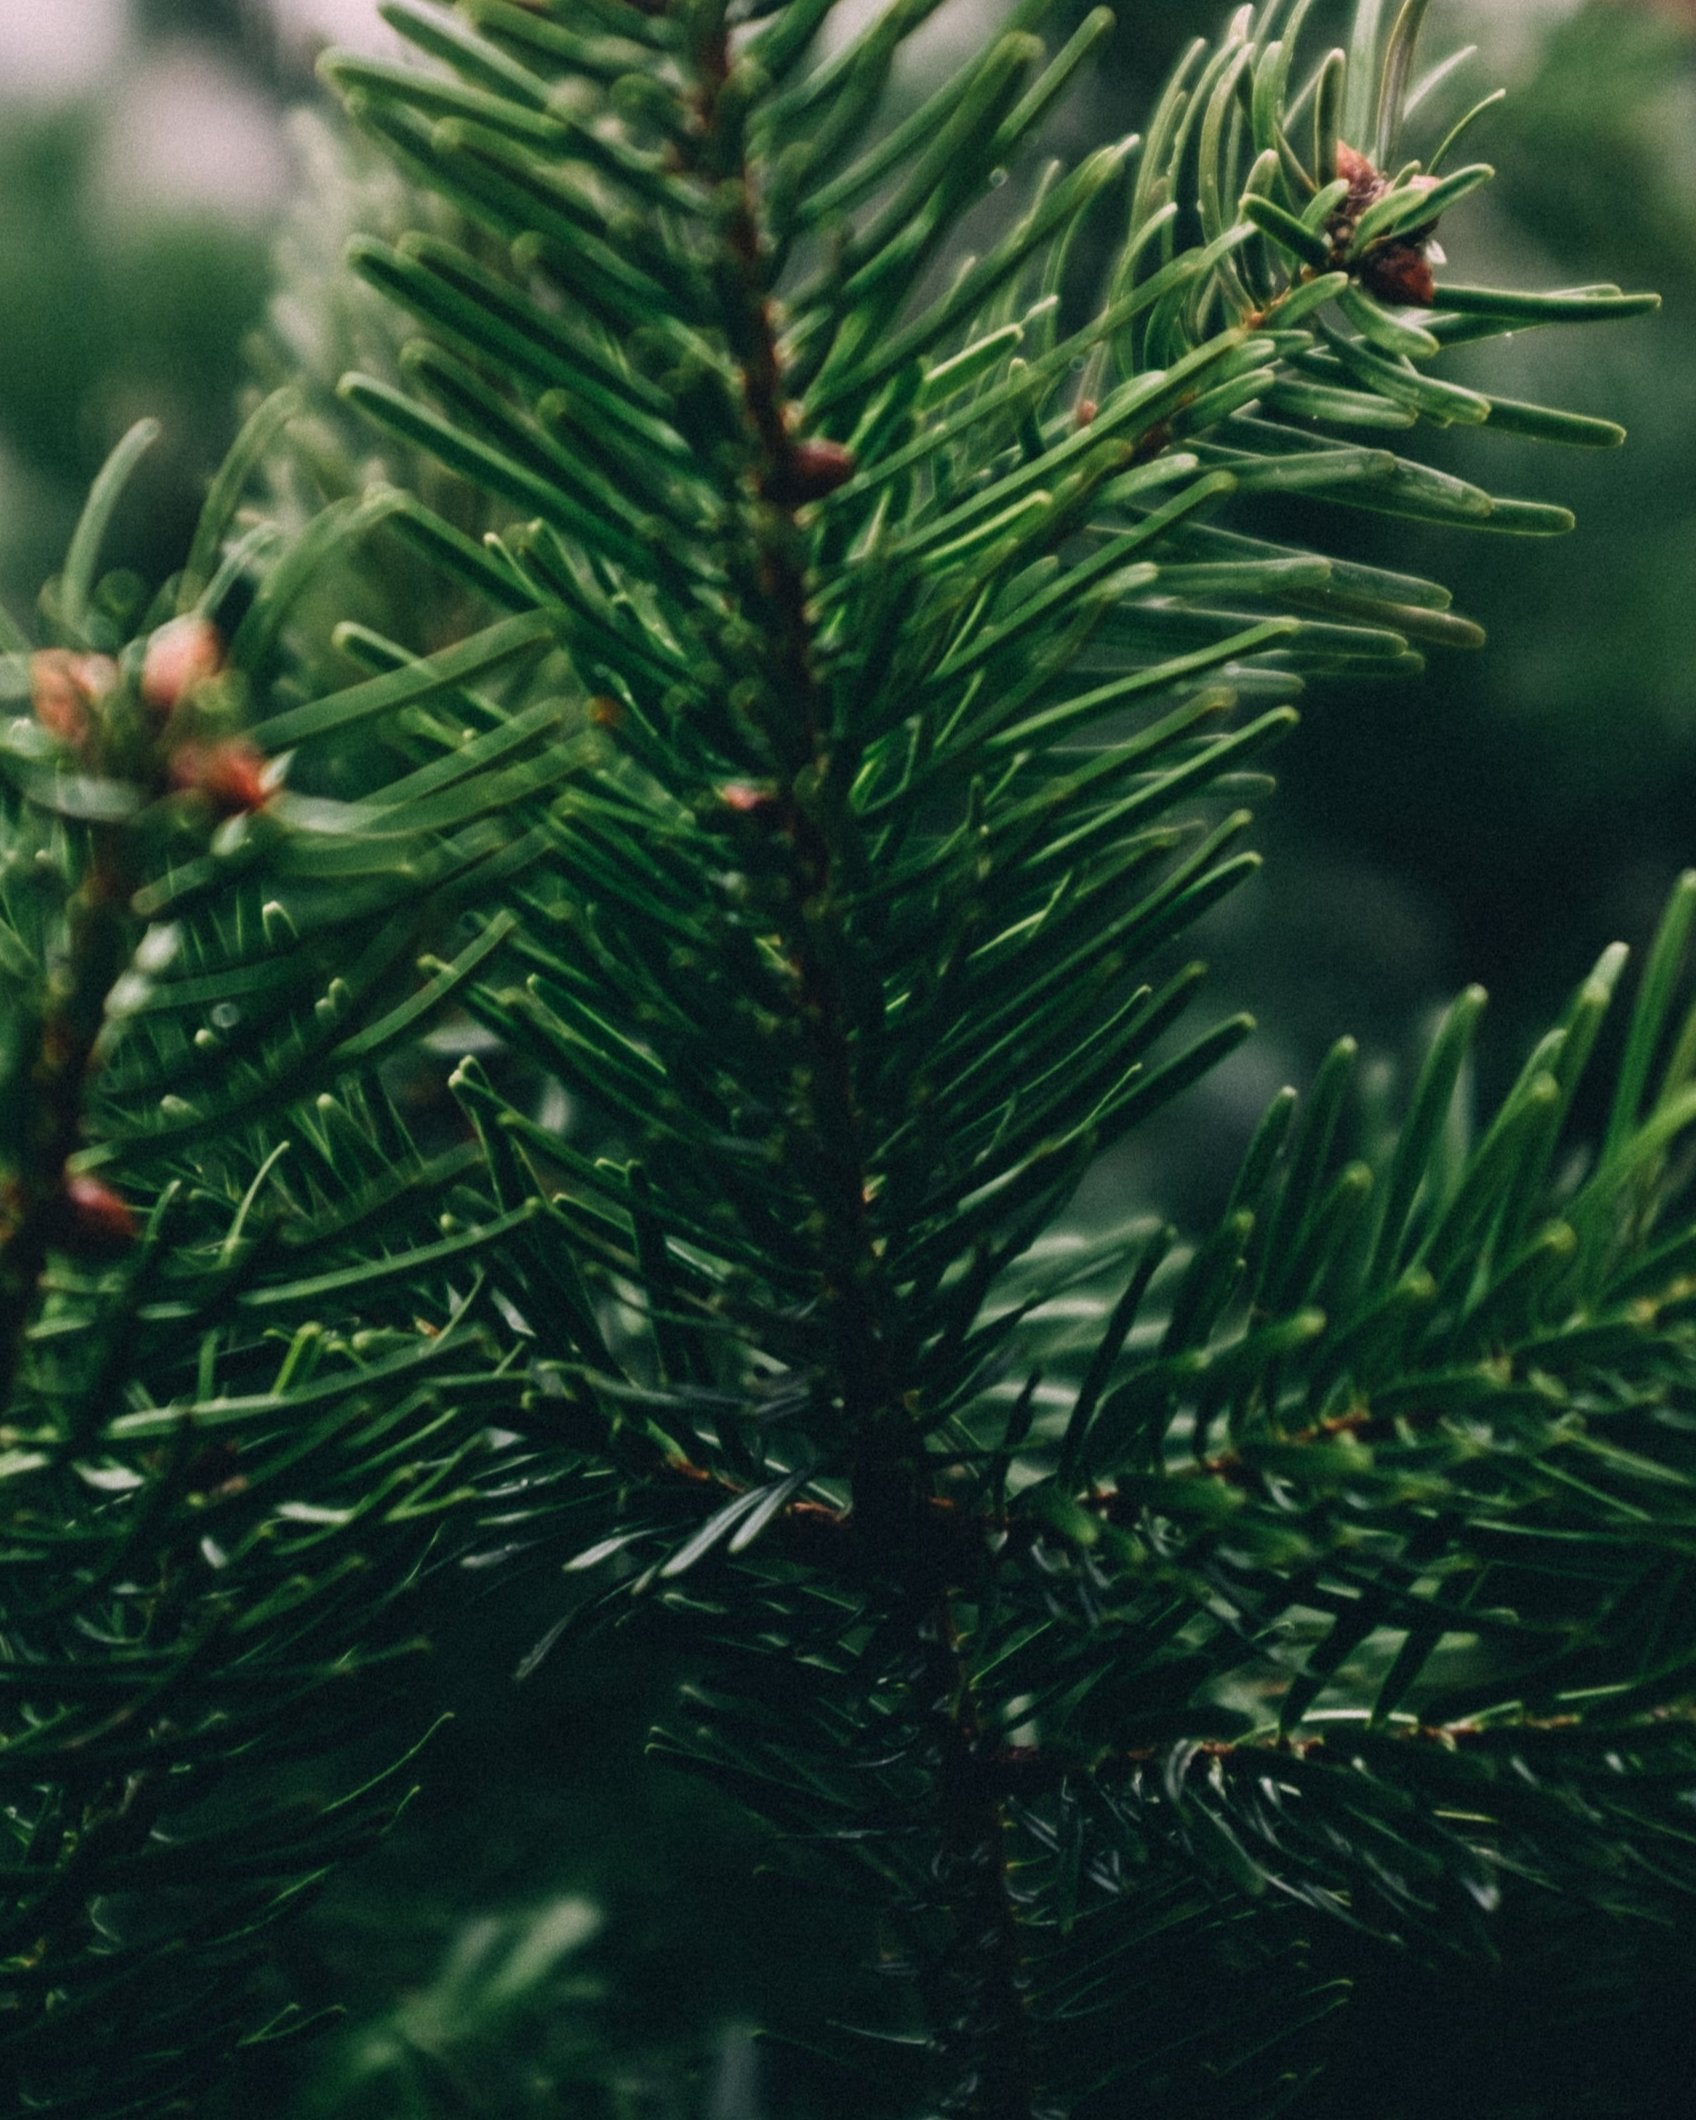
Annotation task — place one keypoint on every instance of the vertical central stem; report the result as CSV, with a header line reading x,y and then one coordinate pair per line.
x,y
979,2004
976,1988
797,732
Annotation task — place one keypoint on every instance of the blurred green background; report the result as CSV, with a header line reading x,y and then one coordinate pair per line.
x,y
553,1929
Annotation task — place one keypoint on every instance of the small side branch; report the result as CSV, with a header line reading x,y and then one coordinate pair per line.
x,y
34,1212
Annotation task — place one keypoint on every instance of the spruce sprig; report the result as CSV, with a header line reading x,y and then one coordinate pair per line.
x,y
914,622
1110,1608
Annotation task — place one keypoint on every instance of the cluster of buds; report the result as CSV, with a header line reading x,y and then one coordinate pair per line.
x,y
153,720
1398,270
181,660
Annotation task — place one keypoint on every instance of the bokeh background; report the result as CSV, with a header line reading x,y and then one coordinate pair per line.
x,y
554,1929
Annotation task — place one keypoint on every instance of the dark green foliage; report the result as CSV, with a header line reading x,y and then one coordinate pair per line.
x,y
1113,1615
245,1368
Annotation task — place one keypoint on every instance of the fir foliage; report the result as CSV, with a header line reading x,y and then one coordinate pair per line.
x,y
1108,1610
245,1370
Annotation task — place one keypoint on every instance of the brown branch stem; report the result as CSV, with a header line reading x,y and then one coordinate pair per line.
x,y
976,1986
96,951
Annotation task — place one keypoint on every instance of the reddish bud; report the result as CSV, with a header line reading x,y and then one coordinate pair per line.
x,y
67,688
230,775
1399,272
1084,411
1396,271
92,1222
816,468
605,711
1363,180
180,657
745,797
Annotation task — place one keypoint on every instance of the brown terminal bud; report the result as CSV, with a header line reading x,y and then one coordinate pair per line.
x,y
1399,272
815,468
746,798
67,690
231,775
1395,271
180,657
1084,411
92,1223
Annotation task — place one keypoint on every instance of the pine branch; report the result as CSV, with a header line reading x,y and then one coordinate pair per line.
x,y
862,962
